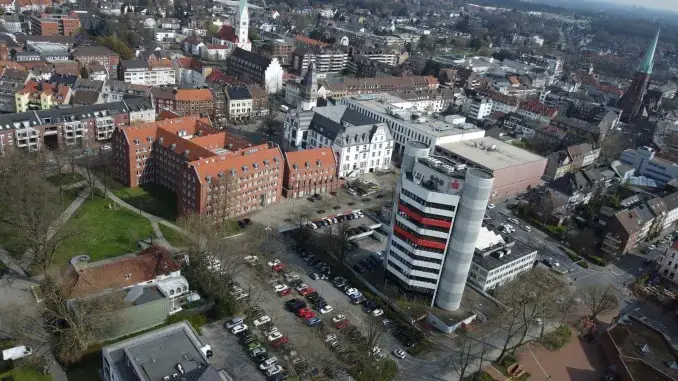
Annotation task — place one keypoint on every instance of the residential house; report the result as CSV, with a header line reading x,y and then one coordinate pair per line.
x,y
154,73
238,103
183,101
621,233
571,159
100,54
149,284
192,45
327,60
310,171
215,52
189,72
536,110
41,96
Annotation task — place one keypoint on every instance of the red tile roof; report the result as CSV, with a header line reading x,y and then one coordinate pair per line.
x,y
324,155
190,63
537,107
227,32
194,95
121,273
310,41
259,155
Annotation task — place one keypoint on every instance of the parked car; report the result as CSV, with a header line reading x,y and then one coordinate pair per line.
x,y
233,322
239,329
377,312
274,336
268,363
262,320
313,321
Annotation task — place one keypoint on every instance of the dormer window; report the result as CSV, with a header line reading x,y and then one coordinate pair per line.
x,y
208,179
255,165
295,166
233,172
173,146
244,168
308,165
319,163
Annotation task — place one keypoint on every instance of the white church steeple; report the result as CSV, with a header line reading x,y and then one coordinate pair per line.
x,y
243,20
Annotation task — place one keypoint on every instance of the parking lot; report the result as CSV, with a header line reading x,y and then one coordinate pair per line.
x,y
306,341
236,362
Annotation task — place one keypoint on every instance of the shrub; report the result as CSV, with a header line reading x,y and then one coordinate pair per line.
x,y
583,264
558,338
197,320
223,308
600,261
480,376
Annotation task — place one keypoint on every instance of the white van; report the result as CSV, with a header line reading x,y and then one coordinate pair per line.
x,y
268,363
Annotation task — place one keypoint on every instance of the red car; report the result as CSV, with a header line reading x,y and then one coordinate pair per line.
x,y
277,268
280,342
285,292
306,291
341,324
305,313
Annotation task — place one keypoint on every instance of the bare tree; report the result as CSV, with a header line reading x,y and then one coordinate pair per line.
x,y
270,124
88,166
60,161
31,210
599,298
337,240
70,325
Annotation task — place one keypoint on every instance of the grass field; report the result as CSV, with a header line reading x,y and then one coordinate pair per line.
x,y
66,179
102,231
172,236
25,374
151,198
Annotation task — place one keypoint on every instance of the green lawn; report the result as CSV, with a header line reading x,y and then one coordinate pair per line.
x,y
172,236
151,198
102,231
26,374
66,179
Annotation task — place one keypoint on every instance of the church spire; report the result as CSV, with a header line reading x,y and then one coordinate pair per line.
x,y
648,61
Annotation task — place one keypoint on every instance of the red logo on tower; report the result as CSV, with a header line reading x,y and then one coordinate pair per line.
x,y
454,185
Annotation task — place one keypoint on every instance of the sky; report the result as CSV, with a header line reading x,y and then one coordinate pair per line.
x,y
671,5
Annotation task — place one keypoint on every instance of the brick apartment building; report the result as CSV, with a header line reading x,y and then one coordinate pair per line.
x,y
101,54
282,50
310,171
50,25
183,101
213,173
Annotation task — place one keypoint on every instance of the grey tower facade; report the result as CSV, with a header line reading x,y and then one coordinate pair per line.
x,y
467,224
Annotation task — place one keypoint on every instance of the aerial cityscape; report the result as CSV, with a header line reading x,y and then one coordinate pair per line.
x,y
222,190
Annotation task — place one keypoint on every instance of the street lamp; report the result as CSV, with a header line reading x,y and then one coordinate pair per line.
x,y
267,229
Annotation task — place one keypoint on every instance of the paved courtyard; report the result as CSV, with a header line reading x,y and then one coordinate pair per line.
x,y
578,360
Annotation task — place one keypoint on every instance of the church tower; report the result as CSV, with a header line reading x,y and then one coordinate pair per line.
x,y
309,88
242,29
632,100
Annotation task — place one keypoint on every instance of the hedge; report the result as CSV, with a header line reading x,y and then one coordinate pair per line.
x,y
197,320
583,264
557,339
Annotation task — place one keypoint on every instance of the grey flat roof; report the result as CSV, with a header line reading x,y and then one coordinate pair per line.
x,y
504,156
491,262
156,354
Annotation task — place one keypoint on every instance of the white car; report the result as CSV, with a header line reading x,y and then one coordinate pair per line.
x,y
376,350
651,247
351,191
274,262
325,310
281,287
268,363
251,258
513,220
262,320
301,287
490,206
235,291
312,225
379,356
291,277
377,312
351,291
338,318
270,331
241,295
233,322
275,369
274,336
330,337
527,228
239,328
399,353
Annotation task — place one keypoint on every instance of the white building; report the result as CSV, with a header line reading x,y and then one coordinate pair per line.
x,y
141,110
477,108
239,102
667,263
497,261
439,208
303,94
360,143
407,125
154,73
236,36
189,72
643,160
